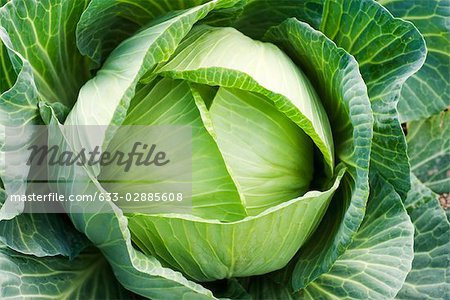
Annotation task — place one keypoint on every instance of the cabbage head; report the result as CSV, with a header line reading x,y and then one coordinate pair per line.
x,y
307,143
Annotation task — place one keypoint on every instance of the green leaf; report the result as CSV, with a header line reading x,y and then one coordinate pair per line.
x,y
379,258
429,151
343,93
255,17
206,250
18,107
209,56
266,287
47,65
428,278
41,234
86,277
388,52
44,34
7,72
428,91
170,102
97,37
228,289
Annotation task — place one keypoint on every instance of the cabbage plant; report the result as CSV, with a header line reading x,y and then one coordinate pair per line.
x,y
318,137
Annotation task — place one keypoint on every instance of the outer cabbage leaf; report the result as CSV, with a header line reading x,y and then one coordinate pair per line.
x,y
429,277
428,91
388,52
343,93
379,258
18,107
254,18
429,151
43,32
36,61
86,277
7,72
41,234
97,37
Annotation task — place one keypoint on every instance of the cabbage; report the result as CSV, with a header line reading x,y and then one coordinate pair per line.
x,y
293,149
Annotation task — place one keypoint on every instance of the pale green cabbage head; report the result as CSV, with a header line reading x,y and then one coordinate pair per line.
x,y
259,135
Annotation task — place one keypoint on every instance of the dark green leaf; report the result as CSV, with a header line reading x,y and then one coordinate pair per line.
x,y
86,277
7,72
43,33
228,289
258,16
429,151
429,277
265,287
388,51
96,37
428,91
41,234
379,258
18,107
